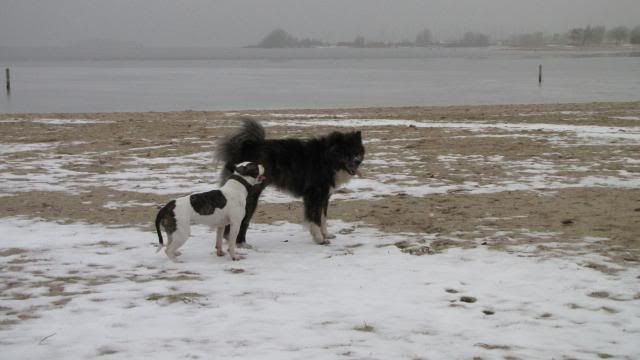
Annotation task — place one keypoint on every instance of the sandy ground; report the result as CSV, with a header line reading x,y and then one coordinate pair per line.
x,y
59,167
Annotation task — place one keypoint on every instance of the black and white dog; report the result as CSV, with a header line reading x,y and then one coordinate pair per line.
x,y
216,208
306,168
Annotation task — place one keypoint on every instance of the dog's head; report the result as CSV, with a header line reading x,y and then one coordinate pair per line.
x,y
347,151
250,171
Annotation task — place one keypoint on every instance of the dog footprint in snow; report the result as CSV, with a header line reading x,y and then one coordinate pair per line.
x,y
346,231
599,294
235,270
468,299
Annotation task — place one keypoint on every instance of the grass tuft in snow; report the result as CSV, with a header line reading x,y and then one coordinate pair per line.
x,y
186,297
365,328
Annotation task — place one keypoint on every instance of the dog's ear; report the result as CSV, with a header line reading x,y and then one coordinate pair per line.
x,y
359,135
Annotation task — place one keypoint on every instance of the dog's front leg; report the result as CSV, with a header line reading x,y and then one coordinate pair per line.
x,y
313,208
219,236
316,234
233,234
323,229
250,208
323,226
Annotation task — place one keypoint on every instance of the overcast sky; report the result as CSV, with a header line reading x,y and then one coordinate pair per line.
x,y
221,23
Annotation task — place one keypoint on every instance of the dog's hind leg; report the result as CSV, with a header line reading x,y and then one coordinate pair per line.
x,y
233,234
219,236
169,249
178,238
169,241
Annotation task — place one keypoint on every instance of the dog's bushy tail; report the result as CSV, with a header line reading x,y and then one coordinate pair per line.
x,y
243,145
158,220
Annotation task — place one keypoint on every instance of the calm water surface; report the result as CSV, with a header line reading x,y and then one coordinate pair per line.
x,y
321,78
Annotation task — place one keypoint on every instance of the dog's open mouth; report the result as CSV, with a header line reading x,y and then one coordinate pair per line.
x,y
353,166
261,178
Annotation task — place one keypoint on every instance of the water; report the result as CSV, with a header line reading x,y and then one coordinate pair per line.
x,y
240,79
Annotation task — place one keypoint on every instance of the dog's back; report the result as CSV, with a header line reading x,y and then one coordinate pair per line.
x,y
204,208
293,165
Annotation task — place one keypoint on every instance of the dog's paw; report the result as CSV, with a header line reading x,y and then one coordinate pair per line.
x,y
321,240
317,235
237,257
220,252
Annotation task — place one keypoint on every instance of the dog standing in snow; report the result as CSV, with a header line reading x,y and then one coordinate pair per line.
x,y
216,208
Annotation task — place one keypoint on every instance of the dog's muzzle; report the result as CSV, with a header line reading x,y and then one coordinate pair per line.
x,y
353,167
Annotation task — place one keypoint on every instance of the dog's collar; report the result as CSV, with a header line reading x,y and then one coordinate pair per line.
x,y
242,181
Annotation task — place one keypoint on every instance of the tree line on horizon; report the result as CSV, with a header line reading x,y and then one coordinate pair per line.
x,y
581,36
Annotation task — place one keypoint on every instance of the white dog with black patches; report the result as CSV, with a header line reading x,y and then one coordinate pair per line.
x,y
216,208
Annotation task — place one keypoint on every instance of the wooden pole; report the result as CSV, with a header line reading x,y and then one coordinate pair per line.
x,y
8,77
540,74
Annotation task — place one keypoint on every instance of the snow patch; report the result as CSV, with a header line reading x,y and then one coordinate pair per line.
x,y
82,291
70,121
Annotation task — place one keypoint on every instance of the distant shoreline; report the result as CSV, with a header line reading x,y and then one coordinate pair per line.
x,y
26,54
404,112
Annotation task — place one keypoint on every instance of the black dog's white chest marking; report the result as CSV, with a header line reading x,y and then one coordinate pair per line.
x,y
341,178
207,203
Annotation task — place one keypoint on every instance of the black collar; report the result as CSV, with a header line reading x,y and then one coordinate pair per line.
x,y
242,181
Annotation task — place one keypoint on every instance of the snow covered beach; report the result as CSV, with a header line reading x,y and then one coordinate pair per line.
x,y
476,232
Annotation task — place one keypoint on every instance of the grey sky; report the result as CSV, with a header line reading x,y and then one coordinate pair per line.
x,y
245,22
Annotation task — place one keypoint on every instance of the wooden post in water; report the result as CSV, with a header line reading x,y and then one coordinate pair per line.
x,y
540,74
8,76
